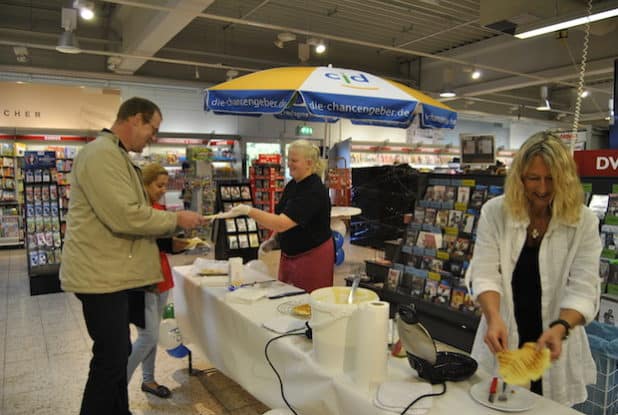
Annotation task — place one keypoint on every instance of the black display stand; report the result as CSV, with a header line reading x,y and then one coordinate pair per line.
x,y
384,194
434,252
235,237
43,237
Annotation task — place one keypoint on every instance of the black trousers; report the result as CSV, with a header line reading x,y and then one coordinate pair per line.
x,y
107,320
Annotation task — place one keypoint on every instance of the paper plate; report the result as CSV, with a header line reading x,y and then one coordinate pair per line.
x,y
287,308
519,399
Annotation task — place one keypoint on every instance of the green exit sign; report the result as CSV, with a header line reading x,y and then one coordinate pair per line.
x,y
304,130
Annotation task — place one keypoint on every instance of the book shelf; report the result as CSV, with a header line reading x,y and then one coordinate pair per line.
x,y
235,237
43,237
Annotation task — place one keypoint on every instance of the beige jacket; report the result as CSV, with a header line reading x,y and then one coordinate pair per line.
x,y
110,243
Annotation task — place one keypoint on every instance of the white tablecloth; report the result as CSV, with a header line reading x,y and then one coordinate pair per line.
x,y
231,336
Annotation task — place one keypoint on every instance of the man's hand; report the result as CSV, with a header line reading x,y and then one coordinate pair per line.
x,y
188,219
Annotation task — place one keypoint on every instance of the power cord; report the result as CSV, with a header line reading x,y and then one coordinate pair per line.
x,y
273,367
427,395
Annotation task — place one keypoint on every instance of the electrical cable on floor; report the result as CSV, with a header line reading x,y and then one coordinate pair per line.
x,y
427,395
273,367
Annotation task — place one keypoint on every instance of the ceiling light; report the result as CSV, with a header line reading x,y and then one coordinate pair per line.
x,y
476,74
448,93
68,41
318,44
85,7
197,73
231,74
544,103
595,17
585,93
21,54
282,38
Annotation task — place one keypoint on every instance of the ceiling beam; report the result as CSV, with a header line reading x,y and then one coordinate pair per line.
x,y
145,32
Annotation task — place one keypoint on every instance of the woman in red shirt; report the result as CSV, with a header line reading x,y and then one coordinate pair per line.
x,y
144,349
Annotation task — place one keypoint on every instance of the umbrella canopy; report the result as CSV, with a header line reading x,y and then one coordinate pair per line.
x,y
327,94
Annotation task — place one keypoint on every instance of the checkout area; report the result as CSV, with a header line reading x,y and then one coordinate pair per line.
x,y
342,370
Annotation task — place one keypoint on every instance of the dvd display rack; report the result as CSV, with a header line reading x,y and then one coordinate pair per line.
x,y
43,237
235,237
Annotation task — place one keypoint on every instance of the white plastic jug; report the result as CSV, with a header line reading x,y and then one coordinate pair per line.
x,y
334,324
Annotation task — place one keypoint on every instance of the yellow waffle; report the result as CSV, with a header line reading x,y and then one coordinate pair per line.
x,y
302,310
521,366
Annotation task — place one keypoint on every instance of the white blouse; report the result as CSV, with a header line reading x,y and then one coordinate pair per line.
x,y
569,270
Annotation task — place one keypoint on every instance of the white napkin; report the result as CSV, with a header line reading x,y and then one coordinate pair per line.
x,y
214,281
284,324
245,295
394,396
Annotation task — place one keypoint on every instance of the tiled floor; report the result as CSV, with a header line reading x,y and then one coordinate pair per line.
x,y
45,350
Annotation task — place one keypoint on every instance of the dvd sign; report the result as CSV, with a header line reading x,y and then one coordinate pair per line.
x,y
597,162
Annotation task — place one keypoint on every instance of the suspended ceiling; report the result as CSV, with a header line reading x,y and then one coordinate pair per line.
x,y
428,44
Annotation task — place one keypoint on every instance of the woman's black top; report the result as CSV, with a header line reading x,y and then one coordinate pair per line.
x,y
307,203
526,285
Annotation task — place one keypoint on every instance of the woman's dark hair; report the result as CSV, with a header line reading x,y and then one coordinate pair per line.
x,y
135,106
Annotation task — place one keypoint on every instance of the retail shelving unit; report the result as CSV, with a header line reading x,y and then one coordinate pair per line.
x,y
235,237
267,183
369,153
226,159
11,233
43,237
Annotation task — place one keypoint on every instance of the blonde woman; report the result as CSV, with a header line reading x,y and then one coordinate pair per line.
x,y
535,269
301,222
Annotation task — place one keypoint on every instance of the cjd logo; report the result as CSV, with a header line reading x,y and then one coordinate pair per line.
x,y
358,81
603,163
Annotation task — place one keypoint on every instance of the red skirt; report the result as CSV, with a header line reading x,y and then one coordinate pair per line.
x,y
310,270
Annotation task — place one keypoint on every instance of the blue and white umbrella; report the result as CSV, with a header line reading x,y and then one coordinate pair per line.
x,y
328,94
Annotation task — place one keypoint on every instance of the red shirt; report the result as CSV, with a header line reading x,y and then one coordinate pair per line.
x,y
168,281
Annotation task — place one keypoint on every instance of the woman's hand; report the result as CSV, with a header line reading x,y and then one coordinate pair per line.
x,y
552,339
496,334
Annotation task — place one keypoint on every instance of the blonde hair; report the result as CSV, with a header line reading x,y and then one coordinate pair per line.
x,y
151,172
311,152
568,191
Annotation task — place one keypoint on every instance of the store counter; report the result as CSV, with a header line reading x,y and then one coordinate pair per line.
x,y
232,337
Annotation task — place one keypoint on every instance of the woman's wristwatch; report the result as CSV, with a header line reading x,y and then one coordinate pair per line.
x,y
565,324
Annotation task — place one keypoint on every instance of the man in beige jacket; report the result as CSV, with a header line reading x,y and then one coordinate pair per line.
x,y
110,246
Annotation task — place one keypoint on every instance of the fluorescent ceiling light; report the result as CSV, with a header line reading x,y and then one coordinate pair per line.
x,y
476,74
448,94
585,93
595,17
544,105
320,48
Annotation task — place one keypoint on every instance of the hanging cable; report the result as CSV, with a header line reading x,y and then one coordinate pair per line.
x,y
582,73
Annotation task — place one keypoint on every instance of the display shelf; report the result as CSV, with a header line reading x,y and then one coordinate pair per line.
x,y
368,153
11,232
226,159
43,225
235,237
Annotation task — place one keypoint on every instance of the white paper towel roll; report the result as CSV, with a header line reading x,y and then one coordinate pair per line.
x,y
371,344
235,271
